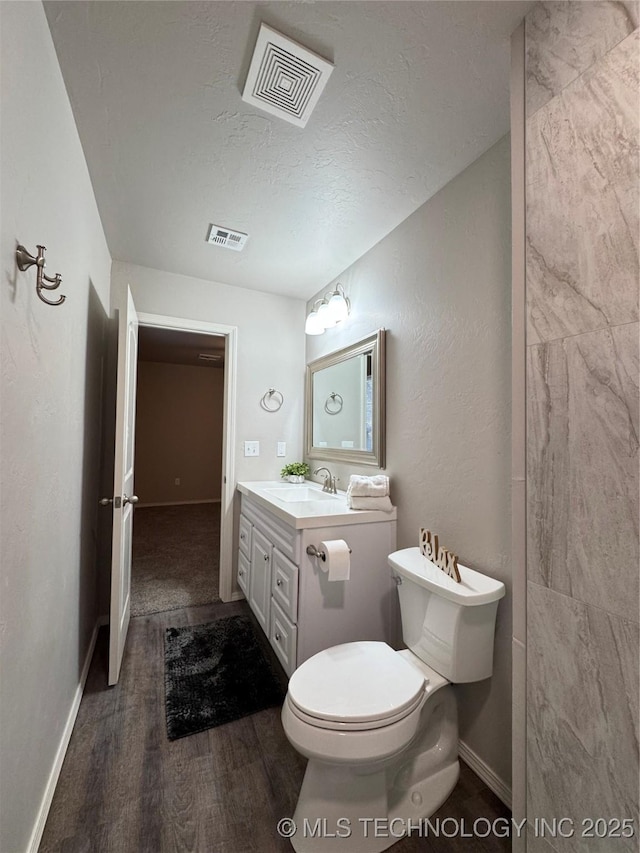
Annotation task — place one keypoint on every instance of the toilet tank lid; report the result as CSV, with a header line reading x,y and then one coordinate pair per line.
x,y
474,588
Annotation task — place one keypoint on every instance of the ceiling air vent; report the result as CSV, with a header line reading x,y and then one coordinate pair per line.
x,y
285,79
227,238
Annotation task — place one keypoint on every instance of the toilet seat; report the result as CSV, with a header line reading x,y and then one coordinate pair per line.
x,y
355,686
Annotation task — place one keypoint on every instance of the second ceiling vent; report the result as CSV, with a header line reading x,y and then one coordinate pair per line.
x,y
285,79
227,238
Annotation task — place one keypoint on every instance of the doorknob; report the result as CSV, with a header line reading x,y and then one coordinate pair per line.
x,y
130,500
105,501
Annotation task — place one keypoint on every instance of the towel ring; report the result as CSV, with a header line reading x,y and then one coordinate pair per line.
x,y
268,398
333,400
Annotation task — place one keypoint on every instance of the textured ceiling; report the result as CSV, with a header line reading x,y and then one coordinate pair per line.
x,y
419,91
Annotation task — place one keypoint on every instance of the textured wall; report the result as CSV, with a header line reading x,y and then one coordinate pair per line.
x,y
582,199
440,284
270,353
50,420
178,432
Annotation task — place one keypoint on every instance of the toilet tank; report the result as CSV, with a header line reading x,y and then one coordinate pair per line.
x,y
448,625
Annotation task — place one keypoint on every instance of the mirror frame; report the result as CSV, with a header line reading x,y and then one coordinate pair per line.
x,y
375,344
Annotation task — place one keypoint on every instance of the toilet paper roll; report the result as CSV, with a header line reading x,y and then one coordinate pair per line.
x,y
338,561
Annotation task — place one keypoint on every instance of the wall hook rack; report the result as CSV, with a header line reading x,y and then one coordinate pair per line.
x,y
272,400
25,260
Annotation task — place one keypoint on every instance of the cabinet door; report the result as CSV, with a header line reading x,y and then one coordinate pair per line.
x,y
260,578
244,573
284,584
245,536
283,638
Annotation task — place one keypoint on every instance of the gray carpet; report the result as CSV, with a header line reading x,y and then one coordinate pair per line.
x,y
176,557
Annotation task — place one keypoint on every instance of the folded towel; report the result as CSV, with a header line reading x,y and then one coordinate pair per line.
x,y
370,487
357,502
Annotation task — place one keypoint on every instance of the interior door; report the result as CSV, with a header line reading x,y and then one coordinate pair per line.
x,y
123,496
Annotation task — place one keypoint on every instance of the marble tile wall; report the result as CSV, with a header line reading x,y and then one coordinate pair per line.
x,y
565,38
582,714
583,340
582,444
581,273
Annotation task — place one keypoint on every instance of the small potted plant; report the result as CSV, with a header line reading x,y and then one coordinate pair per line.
x,y
295,472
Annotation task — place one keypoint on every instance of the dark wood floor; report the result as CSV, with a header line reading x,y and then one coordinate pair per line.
x,y
124,788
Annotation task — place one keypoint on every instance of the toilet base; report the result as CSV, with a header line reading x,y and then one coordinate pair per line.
x,y
357,819
367,807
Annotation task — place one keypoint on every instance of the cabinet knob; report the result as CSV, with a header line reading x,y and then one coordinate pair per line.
x,y
278,637
240,572
242,536
279,582
266,558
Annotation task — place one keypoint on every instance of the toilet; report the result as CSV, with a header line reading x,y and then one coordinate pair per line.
x,y
379,727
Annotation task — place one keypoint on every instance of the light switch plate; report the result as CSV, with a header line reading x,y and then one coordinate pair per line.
x,y
282,448
252,448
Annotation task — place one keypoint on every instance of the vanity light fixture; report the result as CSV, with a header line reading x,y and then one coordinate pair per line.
x,y
327,312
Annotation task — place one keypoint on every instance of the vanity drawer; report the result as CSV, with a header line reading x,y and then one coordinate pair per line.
x,y
284,584
283,637
244,538
244,568
285,538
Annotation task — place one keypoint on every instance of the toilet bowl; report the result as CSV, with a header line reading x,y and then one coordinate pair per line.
x,y
378,726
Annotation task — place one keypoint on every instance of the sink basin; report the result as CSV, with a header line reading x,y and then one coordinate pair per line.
x,y
291,494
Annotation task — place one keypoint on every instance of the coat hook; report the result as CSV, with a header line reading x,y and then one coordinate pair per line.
x,y
25,260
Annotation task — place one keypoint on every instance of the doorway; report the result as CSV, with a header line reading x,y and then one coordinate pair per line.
x,y
182,540
178,470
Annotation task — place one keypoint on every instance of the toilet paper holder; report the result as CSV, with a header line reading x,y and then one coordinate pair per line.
x,y
312,551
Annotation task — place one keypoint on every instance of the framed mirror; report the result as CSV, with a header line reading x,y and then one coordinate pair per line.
x,y
345,404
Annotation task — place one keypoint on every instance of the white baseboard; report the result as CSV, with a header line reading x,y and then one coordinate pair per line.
x,y
491,779
45,805
180,503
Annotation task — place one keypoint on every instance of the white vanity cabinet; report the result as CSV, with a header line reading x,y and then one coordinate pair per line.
x,y
299,609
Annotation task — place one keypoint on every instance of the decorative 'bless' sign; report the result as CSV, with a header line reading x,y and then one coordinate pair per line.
x,y
443,559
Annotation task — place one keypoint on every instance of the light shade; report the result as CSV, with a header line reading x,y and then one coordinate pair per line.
x,y
313,326
325,316
338,308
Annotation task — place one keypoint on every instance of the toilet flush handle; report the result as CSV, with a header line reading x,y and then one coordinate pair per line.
x,y
396,578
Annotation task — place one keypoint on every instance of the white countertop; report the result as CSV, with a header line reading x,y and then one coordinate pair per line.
x,y
327,510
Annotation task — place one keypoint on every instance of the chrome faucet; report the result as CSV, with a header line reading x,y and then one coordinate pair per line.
x,y
329,481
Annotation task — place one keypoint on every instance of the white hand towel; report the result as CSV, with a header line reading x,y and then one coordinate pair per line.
x,y
372,487
357,502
